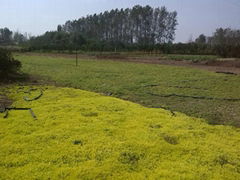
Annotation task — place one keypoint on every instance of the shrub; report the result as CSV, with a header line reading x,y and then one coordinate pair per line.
x,y
8,65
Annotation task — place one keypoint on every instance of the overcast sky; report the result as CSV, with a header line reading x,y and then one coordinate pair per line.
x,y
194,16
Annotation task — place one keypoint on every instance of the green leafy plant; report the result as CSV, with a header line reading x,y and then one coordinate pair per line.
x,y
8,65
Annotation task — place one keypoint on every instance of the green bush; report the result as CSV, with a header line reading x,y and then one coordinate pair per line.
x,y
8,65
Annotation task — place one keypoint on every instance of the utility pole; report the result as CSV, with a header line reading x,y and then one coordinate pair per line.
x,y
76,57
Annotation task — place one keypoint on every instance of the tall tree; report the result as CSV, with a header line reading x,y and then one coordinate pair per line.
x,y
202,39
5,36
139,25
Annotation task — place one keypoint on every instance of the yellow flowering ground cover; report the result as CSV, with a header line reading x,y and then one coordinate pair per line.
x,y
84,135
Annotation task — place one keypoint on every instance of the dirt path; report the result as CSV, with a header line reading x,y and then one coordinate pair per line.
x,y
229,66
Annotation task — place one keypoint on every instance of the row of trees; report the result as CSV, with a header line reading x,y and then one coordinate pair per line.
x,y
223,42
8,37
226,42
139,28
57,40
141,25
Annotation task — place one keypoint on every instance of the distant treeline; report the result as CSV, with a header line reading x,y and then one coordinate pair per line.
x,y
138,29
8,37
139,25
224,42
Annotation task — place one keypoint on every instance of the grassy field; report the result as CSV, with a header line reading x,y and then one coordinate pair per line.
x,y
84,135
147,85
138,55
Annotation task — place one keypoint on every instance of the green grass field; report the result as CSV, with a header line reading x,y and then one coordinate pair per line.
x,y
147,84
140,55
84,135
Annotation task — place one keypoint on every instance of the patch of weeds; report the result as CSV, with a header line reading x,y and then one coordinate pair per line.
x,y
53,137
215,118
102,154
129,158
222,160
63,175
109,132
190,127
15,164
78,142
89,114
171,139
155,126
